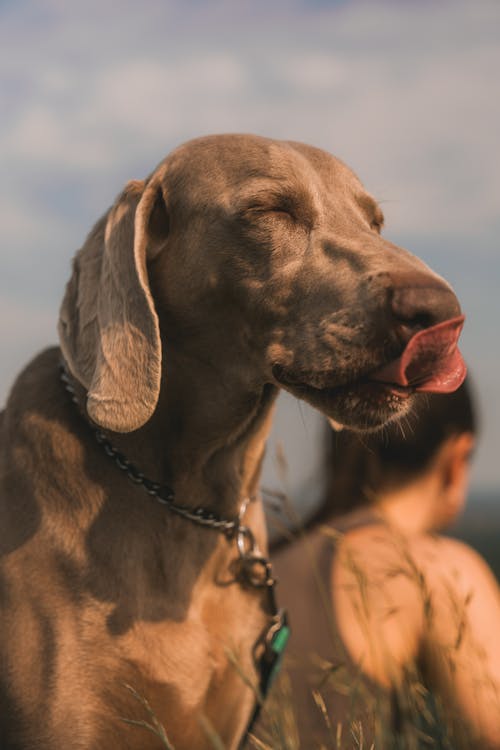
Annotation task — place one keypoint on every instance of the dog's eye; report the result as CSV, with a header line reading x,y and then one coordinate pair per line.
x,y
281,212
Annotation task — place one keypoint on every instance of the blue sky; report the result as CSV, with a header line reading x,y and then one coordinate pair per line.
x,y
93,94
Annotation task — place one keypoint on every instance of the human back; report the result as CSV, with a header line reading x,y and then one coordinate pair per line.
x,y
412,614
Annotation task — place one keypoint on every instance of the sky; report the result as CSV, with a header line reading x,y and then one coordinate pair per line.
x,y
406,92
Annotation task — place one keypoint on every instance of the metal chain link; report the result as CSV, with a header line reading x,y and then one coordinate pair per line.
x,y
255,569
161,493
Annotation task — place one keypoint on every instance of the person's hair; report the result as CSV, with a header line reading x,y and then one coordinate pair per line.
x,y
360,467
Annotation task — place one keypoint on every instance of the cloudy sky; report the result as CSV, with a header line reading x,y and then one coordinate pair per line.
x,y
406,92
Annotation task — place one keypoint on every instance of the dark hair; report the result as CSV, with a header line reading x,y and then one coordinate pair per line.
x,y
360,466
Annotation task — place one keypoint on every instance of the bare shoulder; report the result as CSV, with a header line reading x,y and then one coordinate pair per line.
x,y
434,554
464,592
458,554
454,563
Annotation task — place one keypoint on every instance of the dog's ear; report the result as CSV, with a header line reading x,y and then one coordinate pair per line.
x,y
108,326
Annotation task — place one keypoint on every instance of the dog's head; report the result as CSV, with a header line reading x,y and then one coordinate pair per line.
x,y
263,260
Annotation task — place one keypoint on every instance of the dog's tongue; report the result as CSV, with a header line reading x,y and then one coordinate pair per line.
x,y
431,361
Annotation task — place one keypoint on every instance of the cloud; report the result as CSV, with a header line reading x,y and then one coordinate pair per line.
x,y
396,89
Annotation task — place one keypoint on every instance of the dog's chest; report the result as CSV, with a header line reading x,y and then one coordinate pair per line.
x,y
199,666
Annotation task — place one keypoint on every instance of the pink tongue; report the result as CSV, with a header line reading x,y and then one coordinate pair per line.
x,y
431,361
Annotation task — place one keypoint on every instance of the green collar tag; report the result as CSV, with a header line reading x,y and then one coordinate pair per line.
x,y
275,648
274,640
280,639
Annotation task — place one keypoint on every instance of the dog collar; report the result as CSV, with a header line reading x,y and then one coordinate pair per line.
x,y
254,568
162,493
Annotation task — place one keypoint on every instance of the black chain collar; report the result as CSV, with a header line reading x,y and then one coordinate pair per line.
x,y
255,569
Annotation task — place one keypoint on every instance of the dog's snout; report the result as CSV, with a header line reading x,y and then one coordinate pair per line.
x,y
421,305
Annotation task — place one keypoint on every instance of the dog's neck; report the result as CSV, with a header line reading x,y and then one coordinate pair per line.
x,y
206,443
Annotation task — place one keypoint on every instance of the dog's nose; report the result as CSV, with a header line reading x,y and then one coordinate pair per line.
x,y
418,303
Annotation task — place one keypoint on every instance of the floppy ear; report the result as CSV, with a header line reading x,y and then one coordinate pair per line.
x,y
108,326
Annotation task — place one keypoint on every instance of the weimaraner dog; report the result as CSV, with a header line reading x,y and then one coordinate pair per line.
x,y
134,584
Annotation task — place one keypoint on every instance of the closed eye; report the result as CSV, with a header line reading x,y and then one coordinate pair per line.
x,y
281,212
261,209
273,204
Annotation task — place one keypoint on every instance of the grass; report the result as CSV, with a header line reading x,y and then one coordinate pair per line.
x,y
153,725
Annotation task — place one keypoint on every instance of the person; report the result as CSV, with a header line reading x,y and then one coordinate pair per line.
x,y
395,627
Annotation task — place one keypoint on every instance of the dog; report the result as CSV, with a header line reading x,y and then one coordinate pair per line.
x,y
242,265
